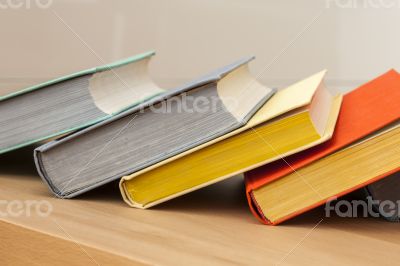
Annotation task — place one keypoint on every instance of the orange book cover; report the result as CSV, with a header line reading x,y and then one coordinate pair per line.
x,y
365,110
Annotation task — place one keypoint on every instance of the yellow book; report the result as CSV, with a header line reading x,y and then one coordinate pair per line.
x,y
296,118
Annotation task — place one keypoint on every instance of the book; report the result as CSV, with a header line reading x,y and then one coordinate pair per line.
x,y
73,102
167,125
385,194
296,118
361,151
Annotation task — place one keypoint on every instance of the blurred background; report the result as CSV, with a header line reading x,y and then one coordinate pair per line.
x,y
356,40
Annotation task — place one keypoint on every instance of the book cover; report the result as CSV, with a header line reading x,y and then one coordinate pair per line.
x,y
158,129
278,122
365,110
73,102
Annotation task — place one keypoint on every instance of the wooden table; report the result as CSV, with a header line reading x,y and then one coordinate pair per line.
x,y
212,226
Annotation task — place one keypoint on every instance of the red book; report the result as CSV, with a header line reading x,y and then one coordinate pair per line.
x,y
365,110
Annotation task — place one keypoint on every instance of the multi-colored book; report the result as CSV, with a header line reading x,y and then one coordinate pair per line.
x,y
364,148
296,118
165,126
74,102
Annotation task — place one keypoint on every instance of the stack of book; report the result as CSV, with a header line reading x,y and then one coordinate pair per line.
x,y
299,147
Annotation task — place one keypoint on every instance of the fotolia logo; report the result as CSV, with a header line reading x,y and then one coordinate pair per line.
x,y
25,4
25,208
363,3
363,208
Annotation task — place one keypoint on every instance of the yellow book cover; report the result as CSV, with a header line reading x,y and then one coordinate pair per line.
x,y
294,119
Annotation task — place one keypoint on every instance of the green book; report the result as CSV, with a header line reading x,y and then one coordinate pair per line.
x,y
75,101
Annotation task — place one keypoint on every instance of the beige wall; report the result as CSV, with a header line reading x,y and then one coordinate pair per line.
x,y
291,38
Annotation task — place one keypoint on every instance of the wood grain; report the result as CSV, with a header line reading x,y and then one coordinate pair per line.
x,y
212,226
21,246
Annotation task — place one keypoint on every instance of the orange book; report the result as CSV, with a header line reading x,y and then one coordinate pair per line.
x,y
367,122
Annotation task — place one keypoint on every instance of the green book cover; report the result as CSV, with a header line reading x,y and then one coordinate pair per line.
x,y
74,101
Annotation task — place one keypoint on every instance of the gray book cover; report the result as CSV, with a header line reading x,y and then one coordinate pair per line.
x,y
156,130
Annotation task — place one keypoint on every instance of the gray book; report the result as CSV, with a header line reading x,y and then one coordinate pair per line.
x,y
73,102
153,131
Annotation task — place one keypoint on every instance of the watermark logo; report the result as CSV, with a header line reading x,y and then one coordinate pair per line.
x,y
25,4
192,104
25,208
363,208
362,3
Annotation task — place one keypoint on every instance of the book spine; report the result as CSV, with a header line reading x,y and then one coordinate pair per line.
x,y
40,168
253,206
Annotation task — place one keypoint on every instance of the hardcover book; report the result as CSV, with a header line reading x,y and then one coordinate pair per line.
x,y
296,118
73,102
386,193
363,149
154,131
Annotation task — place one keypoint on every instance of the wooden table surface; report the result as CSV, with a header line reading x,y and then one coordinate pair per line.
x,y
212,226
